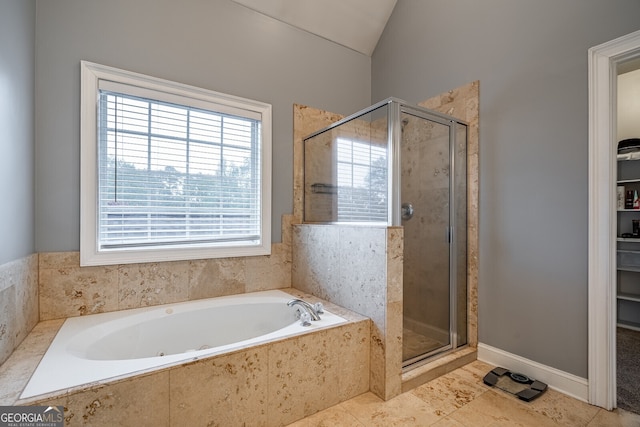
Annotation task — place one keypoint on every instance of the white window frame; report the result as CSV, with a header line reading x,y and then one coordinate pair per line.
x,y
90,253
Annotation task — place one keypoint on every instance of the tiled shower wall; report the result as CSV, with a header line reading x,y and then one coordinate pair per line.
x,y
359,268
18,302
463,104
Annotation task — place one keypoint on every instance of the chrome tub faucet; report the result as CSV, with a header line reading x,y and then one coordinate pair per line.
x,y
313,311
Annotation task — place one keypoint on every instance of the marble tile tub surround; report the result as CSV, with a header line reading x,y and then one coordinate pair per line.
x,y
18,302
18,368
271,384
68,290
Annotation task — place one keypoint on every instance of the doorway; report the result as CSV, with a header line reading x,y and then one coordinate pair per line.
x,y
603,63
628,237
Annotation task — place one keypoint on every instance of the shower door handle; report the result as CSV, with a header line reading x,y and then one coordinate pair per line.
x,y
406,211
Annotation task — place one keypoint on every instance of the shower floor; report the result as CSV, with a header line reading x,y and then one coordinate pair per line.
x,y
415,344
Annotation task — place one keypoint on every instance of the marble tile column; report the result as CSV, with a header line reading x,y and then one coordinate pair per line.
x,y
18,302
359,268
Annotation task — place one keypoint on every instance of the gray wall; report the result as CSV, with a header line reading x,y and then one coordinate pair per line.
x,y
531,60
17,30
214,44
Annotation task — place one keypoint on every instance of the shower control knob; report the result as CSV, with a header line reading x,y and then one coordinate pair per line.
x,y
406,211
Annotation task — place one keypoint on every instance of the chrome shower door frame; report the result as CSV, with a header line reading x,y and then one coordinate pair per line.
x,y
396,108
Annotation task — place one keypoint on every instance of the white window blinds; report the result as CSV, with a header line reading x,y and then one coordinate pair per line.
x,y
362,181
173,174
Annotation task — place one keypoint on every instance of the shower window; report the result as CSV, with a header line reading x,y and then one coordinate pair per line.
x,y
362,181
346,171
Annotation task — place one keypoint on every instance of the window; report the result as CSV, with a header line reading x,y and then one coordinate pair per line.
x,y
362,181
170,172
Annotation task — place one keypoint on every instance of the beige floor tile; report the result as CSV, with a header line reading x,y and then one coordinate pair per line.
x,y
493,409
478,369
563,409
450,392
448,422
461,399
616,418
401,411
331,417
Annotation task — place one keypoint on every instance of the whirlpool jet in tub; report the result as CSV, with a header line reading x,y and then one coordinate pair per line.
x,y
92,349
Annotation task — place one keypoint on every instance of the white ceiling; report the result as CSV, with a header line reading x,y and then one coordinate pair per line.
x,y
356,24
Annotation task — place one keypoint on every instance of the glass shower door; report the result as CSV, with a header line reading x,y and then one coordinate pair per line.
x,y
425,197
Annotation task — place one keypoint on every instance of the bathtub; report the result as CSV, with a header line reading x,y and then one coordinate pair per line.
x,y
90,350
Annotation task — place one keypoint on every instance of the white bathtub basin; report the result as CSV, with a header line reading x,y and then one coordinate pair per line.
x,y
93,349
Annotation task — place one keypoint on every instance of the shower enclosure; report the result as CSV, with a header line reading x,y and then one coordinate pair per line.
x,y
394,164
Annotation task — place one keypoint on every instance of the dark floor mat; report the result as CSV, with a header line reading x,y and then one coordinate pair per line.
x,y
628,369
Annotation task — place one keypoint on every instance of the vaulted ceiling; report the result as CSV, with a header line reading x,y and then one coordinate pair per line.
x,y
356,24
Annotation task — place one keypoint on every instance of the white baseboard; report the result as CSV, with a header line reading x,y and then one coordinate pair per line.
x,y
556,379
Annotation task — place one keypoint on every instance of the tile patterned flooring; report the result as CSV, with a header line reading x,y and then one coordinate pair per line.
x,y
461,399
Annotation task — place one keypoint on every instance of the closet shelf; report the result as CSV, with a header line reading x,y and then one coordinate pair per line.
x,y
632,268
629,325
629,297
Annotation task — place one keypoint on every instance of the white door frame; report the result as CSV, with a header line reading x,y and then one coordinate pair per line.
x,y
603,61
